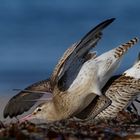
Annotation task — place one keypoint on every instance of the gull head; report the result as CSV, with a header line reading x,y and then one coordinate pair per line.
x,y
40,112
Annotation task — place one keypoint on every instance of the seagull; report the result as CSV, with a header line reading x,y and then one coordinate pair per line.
x,y
69,88
108,62
78,98
122,90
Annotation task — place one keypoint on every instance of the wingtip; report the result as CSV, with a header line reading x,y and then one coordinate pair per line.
x,y
111,19
6,111
99,27
104,24
5,115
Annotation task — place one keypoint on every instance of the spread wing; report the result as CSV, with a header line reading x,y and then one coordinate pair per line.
x,y
109,61
74,56
25,99
69,69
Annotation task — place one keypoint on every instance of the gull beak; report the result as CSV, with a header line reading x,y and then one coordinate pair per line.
x,y
27,118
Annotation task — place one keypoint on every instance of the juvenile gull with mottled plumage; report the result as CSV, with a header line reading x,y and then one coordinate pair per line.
x,y
122,90
71,82
69,105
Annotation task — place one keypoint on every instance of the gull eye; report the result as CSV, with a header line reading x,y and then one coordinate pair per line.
x,y
38,109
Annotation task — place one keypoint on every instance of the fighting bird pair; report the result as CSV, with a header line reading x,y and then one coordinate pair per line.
x,y
79,86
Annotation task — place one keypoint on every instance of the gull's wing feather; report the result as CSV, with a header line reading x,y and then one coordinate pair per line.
x,y
109,61
17,104
78,50
77,57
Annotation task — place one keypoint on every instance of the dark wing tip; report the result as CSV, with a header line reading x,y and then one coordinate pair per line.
x,y
5,114
18,104
5,111
107,22
110,20
104,24
9,109
98,28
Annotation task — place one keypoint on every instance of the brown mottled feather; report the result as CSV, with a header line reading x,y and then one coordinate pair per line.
x,y
121,92
123,48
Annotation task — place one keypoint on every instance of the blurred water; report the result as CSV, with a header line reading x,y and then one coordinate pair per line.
x,y
34,34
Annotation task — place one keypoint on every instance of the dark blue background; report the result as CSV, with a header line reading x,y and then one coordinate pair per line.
x,y
35,33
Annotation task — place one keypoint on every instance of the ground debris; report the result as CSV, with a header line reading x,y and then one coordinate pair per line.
x,y
124,127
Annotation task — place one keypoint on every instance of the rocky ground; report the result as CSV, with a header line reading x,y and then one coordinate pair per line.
x,y
125,127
